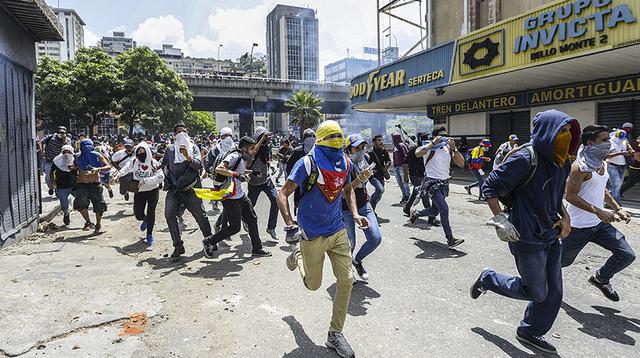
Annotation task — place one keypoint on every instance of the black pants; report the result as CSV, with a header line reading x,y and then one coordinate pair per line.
x,y
631,180
188,199
236,211
150,200
416,181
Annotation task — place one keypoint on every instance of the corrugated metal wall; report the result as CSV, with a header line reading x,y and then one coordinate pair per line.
x,y
18,173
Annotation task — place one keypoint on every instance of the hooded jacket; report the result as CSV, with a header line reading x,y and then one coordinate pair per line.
x,y
537,206
400,150
147,170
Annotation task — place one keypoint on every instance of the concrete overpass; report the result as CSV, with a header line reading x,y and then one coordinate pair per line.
x,y
247,95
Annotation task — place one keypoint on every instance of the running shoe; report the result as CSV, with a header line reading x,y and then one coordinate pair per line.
x,y
606,288
468,189
177,252
414,216
110,194
292,259
260,253
126,196
143,225
66,219
336,341
362,274
88,226
538,342
149,240
453,242
208,248
98,229
477,289
272,233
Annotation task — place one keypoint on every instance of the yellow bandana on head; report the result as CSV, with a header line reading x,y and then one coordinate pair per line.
x,y
329,128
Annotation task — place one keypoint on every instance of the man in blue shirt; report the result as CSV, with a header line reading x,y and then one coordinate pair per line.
x,y
322,176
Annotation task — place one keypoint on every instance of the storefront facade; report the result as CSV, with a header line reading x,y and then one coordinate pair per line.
x,y
578,56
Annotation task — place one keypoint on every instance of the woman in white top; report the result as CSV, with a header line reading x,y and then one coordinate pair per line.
x,y
148,177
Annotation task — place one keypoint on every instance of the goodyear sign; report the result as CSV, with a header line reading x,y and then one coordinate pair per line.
x,y
563,30
602,89
425,70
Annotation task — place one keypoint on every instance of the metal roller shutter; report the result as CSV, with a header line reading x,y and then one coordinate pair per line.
x,y
614,114
501,125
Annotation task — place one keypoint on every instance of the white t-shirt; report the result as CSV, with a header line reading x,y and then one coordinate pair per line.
x,y
621,146
232,159
439,166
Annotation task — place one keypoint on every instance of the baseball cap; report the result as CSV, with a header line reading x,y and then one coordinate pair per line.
x,y
514,137
226,131
128,143
485,143
62,129
627,125
355,140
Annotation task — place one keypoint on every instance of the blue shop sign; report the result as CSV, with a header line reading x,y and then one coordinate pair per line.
x,y
425,70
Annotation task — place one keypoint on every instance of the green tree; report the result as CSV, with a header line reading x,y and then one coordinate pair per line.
x,y
153,95
304,109
95,85
200,122
54,102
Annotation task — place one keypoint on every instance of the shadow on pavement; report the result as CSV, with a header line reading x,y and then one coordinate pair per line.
x,y
606,325
436,250
88,235
172,265
506,346
117,216
419,224
383,220
218,270
306,347
360,296
135,248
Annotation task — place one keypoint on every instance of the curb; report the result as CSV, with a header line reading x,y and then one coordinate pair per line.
x,y
48,216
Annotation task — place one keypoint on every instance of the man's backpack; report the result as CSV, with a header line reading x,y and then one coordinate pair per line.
x,y
507,198
219,180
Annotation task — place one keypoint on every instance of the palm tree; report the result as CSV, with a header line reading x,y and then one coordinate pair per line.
x,y
304,109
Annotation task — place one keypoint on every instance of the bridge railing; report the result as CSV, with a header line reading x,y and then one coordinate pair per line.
x,y
260,79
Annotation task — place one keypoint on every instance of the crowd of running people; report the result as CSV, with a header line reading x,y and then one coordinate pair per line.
x,y
337,183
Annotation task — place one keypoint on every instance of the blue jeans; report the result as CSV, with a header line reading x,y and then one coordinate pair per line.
x,y
372,233
438,206
400,179
63,196
616,176
605,236
479,180
378,186
269,189
540,283
47,173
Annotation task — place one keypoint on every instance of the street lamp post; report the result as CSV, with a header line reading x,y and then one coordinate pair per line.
x,y
251,63
219,46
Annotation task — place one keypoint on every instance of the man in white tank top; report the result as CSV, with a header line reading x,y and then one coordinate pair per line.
x,y
590,222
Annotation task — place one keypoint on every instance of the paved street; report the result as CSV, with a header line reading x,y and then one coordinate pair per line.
x,y
69,294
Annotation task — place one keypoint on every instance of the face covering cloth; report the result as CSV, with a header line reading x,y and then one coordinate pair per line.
x,y
591,158
88,158
64,161
561,147
182,138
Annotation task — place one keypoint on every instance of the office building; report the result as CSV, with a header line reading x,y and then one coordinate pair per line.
x,y
346,69
116,44
292,43
176,61
72,33
232,120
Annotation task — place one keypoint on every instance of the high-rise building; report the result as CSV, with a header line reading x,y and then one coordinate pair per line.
x,y
292,43
346,69
117,43
73,34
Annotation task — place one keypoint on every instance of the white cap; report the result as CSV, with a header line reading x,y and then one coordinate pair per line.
x,y
226,131
627,125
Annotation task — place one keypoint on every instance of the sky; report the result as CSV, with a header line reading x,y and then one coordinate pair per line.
x,y
199,26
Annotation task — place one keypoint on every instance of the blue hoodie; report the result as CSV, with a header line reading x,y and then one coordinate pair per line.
x,y
537,206
88,157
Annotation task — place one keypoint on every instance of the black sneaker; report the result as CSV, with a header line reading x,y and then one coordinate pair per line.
x,y
50,191
468,189
66,220
177,252
477,289
110,194
453,242
208,248
260,253
606,288
126,196
537,342
336,340
434,222
363,275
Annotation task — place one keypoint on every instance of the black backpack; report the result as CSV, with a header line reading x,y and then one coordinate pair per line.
x,y
219,179
507,198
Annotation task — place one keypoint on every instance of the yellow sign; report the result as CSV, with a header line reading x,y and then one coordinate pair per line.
x,y
560,31
377,82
